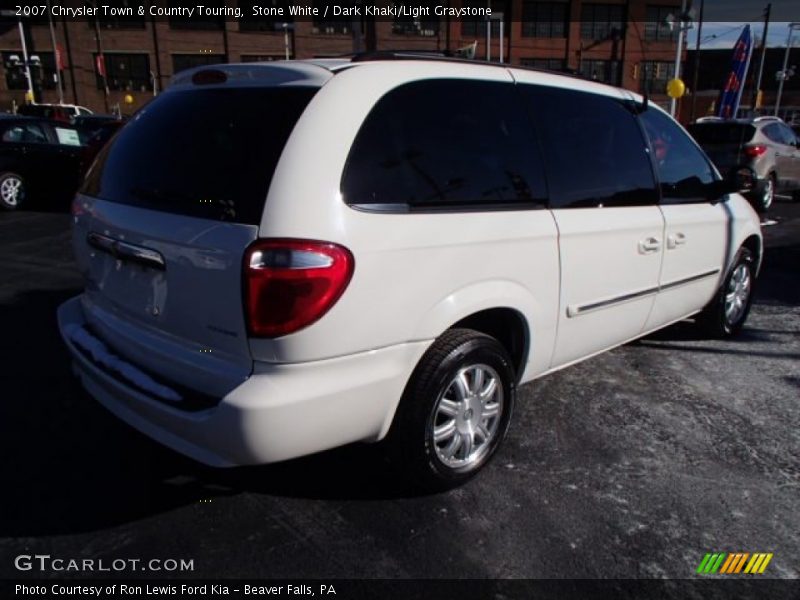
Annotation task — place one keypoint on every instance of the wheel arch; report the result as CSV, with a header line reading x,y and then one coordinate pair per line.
x,y
508,326
503,309
754,244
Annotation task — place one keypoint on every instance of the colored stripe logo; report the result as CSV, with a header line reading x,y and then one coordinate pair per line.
x,y
734,563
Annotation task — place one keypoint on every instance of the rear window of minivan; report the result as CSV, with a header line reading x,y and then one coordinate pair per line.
x,y
207,153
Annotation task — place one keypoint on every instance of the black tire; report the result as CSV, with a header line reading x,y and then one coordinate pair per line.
x,y
433,391
763,200
716,319
9,201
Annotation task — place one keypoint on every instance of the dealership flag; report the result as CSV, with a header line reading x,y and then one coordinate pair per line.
x,y
59,58
100,63
734,84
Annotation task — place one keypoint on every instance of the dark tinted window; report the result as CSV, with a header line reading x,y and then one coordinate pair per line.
x,y
722,133
593,148
28,133
779,133
445,143
773,133
682,168
206,153
788,135
181,62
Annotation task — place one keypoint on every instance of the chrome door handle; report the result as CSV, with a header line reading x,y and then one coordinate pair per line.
x,y
675,239
126,251
649,245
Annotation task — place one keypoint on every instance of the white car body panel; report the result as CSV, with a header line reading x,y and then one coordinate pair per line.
x,y
603,306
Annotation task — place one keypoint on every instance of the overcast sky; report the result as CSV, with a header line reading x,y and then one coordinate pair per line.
x,y
724,34
723,21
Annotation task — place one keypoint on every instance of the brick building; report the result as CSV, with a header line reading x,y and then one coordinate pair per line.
x,y
624,42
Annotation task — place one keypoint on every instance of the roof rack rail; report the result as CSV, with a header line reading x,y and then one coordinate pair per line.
x,y
445,56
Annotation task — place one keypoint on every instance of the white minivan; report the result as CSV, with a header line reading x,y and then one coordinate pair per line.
x,y
283,258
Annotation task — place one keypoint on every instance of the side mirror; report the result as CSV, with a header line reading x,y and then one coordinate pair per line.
x,y
740,180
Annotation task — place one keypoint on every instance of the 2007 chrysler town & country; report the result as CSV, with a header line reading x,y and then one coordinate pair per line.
x,y
284,258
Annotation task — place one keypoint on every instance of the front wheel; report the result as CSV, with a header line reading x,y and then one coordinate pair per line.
x,y
726,314
12,191
455,410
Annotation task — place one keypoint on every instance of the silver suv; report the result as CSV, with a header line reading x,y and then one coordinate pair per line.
x,y
766,145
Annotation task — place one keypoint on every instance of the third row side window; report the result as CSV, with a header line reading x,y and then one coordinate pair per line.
x,y
445,144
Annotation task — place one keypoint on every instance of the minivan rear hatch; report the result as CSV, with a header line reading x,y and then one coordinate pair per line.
x,y
163,221
723,141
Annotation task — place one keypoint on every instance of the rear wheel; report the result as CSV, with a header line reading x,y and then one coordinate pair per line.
x,y
726,314
12,191
455,411
764,200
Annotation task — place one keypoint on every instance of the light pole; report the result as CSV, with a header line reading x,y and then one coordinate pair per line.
x,y
286,40
783,72
29,93
56,55
684,23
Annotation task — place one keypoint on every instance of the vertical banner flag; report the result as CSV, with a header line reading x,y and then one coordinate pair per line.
x,y
734,84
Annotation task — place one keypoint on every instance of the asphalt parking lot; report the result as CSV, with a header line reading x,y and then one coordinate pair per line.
x,y
632,464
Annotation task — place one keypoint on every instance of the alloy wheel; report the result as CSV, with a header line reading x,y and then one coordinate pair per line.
x,y
738,294
467,415
11,191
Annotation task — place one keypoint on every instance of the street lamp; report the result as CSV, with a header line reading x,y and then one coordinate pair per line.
x,y
783,74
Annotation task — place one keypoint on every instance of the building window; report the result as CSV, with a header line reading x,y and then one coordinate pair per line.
x,y
131,20
126,72
118,22
656,28
43,72
197,22
329,26
601,21
605,71
548,64
544,19
428,27
266,24
246,58
654,75
473,27
181,62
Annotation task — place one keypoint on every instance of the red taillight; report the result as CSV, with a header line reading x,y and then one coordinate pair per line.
x,y
755,150
289,284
